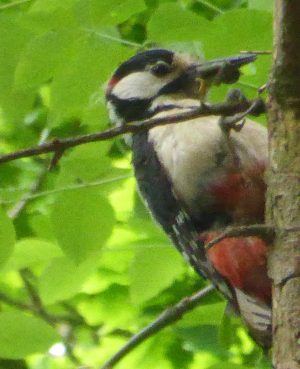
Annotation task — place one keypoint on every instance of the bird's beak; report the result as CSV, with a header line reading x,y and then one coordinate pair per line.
x,y
216,72
219,71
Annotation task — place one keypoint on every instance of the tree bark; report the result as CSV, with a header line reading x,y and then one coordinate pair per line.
x,y
283,198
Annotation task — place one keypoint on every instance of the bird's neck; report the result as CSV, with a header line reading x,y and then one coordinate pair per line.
x,y
169,103
124,111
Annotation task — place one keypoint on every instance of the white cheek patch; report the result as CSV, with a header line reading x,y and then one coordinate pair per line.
x,y
139,85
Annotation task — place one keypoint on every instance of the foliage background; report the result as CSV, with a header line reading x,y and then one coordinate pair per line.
x,y
83,266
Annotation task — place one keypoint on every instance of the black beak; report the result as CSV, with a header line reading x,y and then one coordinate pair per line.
x,y
219,71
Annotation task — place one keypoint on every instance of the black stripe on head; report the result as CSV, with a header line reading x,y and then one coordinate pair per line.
x,y
141,60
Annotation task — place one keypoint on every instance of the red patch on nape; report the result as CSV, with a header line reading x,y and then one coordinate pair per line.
x,y
111,84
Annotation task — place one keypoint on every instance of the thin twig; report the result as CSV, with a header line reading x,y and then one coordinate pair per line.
x,y
259,230
170,315
34,195
112,38
211,6
16,210
12,302
26,276
61,145
13,4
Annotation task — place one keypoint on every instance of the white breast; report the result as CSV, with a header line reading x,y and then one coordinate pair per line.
x,y
188,151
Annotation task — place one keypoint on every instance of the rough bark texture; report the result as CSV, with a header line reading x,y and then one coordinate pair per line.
x,y
283,207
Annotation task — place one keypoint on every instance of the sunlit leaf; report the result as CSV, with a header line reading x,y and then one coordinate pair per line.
x,y
204,314
106,307
261,4
107,12
30,251
62,279
82,221
21,335
155,267
163,25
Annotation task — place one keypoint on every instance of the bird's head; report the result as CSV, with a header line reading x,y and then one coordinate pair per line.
x,y
147,76
159,74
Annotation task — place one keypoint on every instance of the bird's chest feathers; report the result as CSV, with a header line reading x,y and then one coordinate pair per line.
x,y
202,171
187,155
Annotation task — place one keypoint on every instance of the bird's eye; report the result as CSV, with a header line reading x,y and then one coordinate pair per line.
x,y
160,69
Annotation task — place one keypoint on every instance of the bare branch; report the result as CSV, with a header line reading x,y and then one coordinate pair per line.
x,y
170,315
37,305
57,145
260,230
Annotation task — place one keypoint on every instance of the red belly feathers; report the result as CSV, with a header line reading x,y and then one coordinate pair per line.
x,y
242,262
241,195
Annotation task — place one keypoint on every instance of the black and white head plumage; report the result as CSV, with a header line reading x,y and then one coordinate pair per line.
x,y
145,77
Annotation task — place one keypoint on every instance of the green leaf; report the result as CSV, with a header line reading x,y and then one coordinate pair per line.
x,y
7,237
261,4
211,314
47,15
155,267
163,25
42,226
22,335
108,12
14,104
201,338
77,84
41,57
84,164
108,307
62,279
241,30
82,221
49,6
31,251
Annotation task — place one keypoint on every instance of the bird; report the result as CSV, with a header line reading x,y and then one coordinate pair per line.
x,y
195,179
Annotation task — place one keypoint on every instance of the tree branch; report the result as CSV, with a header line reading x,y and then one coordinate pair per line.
x,y
58,146
283,200
12,302
170,315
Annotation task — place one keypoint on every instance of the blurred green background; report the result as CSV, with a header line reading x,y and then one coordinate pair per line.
x,y
83,266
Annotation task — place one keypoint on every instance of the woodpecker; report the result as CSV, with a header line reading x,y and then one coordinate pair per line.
x,y
196,180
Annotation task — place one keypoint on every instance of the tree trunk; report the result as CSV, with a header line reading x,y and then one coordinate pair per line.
x,y
283,199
